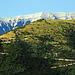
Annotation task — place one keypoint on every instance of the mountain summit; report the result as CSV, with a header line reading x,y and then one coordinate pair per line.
x,y
7,24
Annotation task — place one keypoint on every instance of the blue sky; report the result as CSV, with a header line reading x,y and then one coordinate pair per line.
x,y
11,8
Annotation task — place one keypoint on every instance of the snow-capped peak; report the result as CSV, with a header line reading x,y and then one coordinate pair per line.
x,y
7,24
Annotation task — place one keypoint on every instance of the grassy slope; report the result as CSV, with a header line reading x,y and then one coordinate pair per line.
x,y
60,34
49,37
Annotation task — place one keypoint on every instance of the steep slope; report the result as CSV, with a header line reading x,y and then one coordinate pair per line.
x,y
8,24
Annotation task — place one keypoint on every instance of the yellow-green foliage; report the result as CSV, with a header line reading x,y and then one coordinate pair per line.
x,y
31,48
58,33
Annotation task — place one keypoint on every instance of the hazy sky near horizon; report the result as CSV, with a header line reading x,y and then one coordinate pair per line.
x,y
11,8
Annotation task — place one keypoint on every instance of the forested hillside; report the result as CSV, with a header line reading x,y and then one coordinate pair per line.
x,y
31,49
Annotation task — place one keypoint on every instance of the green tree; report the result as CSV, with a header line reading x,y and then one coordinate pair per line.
x,y
0,42
0,45
16,59
20,60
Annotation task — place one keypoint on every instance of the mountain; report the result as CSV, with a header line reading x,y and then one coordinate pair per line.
x,y
32,48
56,36
8,24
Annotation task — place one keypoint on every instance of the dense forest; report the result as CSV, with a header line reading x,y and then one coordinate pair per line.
x,y
32,48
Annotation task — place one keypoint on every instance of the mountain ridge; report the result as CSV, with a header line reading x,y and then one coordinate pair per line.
x,y
8,24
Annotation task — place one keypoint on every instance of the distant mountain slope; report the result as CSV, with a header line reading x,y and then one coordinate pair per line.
x,y
8,24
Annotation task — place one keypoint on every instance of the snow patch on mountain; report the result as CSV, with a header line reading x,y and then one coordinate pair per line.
x,y
7,24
